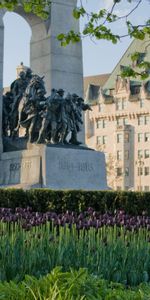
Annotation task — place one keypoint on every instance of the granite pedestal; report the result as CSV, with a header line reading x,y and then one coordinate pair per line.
x,y
54,167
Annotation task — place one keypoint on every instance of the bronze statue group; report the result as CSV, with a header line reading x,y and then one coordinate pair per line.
x,y
55,119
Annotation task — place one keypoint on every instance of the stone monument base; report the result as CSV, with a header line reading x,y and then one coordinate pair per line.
x,y
55,167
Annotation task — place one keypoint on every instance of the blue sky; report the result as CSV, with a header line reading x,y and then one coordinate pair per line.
x,y
98,56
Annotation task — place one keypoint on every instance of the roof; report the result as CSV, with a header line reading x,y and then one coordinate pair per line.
x,y
97,80
142,46
92,93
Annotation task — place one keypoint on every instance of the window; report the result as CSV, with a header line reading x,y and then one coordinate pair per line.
x,y
99,124
126,154
121,104
140,58
147,153
127,137
146,171
104,123
100,107
147,120
119,122
147,137
118,104
104,139
146,188
140,137
119,137
141,103
140,171
126,188
140,120
119,171
99,140
139,188
125,121
140,153
124,103
126,171
119,155
135,90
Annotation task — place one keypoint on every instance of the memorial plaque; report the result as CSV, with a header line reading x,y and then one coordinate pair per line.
x,y
65,168
24,171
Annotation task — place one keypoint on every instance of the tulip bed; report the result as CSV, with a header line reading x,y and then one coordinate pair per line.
x,y
115,247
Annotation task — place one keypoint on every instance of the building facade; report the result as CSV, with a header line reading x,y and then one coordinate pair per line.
x,y
119,124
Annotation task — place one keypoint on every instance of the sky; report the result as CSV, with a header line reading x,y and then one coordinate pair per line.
x,y
99,57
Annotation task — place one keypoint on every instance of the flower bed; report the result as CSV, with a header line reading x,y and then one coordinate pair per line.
x,y
115,247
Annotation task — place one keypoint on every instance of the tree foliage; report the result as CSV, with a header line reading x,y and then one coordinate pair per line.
x,y
98,25
39,7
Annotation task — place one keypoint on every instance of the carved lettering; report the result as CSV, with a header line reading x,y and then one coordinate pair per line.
x,y
78,166
26,164
23,165
15,166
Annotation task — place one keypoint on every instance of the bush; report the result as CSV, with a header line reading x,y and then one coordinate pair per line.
x,y
73,285
46,199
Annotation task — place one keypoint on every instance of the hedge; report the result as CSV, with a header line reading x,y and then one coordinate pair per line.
x,y
46,199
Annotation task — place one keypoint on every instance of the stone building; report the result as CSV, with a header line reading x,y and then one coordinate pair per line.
x,y
119,123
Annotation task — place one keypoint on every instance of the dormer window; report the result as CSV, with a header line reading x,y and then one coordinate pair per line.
x,y
139,58
147,86
135,89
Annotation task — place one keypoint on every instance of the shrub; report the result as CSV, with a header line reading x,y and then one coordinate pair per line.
x,y
72,285
59,201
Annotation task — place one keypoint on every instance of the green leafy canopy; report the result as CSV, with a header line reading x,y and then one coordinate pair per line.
x,y
98,25
39,7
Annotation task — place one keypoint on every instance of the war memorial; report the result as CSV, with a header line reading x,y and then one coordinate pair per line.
x,y
42,115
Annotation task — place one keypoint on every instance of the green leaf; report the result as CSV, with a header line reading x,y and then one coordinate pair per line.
x,y
60,36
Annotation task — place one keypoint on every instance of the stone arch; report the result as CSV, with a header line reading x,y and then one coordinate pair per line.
x,y
39,33
17,36
62,67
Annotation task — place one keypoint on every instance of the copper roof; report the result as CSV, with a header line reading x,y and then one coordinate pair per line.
x,y
99,80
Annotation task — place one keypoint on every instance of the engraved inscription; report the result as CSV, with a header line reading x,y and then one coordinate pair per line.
x,y
78,166
26,164
15,166
23,165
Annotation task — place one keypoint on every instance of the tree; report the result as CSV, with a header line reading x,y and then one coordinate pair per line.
x,y
110,166
98,25
40,8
